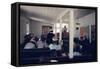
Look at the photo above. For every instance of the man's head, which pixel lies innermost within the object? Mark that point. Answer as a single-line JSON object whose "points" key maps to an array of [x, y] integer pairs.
{"points": [[64, 26]]}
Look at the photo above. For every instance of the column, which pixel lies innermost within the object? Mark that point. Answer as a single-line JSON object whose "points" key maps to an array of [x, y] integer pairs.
{"points": [[60, 34], [71, 33], [27, 28], [90, 33]]}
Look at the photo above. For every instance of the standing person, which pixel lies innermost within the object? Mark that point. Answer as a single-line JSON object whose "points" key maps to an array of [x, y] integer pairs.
{"points": [[64, 29], [49, 38], [65, 39], [65, 34]]}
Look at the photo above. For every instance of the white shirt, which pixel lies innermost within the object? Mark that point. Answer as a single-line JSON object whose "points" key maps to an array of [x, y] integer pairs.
{"points": [[40, 44], [54, 47], [29, 46]]}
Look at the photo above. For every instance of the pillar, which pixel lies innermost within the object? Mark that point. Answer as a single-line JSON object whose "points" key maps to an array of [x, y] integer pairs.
{"points": [[60, 34], [71, 33]]}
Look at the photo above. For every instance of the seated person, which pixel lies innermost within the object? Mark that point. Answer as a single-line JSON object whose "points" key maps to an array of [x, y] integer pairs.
{"points": [[85, 45], [31, 43], [41, 43], [27, 38], [55, 45], [77, 46]]}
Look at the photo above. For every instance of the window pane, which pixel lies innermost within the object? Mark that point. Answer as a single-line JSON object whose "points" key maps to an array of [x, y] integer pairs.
{"points": [[57, 25], [65, 25], [27, 28], [58, 30]]}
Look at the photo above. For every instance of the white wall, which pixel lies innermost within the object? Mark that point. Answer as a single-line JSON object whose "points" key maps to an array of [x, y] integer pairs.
{"points": [[36, 27], [23, 22], [85, 21]]}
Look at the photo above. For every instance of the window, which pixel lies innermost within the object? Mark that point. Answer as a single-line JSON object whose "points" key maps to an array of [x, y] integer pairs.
{"points": [[27, 28], [58, 27]]}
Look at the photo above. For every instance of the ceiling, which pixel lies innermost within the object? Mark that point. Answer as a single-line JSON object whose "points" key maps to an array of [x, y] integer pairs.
{"points": [[50, 14]]}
